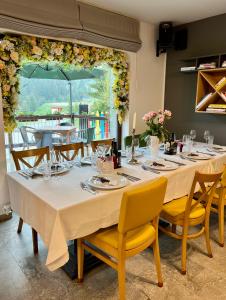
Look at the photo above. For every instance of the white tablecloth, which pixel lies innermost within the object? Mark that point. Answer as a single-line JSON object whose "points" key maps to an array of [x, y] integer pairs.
{"points": [[60, 211]]}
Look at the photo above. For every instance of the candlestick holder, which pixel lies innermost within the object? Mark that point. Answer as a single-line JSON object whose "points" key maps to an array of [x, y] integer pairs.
{"points": [[133, 160]]}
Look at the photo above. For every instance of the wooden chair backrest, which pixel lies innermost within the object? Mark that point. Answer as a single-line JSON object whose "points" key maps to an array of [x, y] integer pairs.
{"points": [[39, 154], [141, 204], [208, 184], [69, 151], [95, 143]]}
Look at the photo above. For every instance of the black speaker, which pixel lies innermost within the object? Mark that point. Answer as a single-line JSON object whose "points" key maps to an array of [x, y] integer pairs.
{"points": [[166, 34], [181, 39]]}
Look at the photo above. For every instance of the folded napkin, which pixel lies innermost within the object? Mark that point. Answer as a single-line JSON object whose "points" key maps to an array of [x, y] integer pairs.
{"points": [[156, 164]]}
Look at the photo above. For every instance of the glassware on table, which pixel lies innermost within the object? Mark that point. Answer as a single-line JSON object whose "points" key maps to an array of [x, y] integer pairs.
{"points": [[193, 134], [136, 143], [206, 134], [47, 170], [187, 143], [210, 140]]}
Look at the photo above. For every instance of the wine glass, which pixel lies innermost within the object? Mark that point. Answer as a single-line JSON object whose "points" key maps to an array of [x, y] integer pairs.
{"points": [[186, 141], [206, 135], [193, 134]]}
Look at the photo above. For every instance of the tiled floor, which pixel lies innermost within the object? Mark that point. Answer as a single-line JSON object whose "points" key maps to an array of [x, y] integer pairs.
{"points": [[25, 277]]}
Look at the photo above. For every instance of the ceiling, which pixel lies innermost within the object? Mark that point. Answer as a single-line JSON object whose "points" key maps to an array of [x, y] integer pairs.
{"points": [[155, 11]]}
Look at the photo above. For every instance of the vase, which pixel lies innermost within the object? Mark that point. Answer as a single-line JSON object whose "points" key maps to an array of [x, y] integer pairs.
{"points": [[154, 146]]}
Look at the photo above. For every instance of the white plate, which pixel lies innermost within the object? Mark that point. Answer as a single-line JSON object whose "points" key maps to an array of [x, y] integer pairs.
{"points": [[61, 170], [217, 148], [168, 166], [197, 156], [86, 160], [116, 182]]}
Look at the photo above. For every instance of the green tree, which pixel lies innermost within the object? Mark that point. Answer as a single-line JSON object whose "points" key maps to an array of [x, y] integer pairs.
{"points": [[100, 92]]}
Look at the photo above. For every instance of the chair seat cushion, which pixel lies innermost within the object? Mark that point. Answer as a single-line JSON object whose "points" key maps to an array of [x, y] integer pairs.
{"points": [[176, 208], [134, 238]]}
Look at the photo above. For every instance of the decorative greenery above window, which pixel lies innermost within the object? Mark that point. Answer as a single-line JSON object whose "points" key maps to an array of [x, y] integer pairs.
{"points": [[15, 50]]}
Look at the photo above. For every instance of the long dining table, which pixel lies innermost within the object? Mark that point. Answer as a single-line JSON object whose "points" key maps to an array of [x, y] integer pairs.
{"points": [[60, 211]]}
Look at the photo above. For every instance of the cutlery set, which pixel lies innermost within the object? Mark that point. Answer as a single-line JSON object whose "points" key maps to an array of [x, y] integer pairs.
{"points": [[129, 177], [87, 188]]}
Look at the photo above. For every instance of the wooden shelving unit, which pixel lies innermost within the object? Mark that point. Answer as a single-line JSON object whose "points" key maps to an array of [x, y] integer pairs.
{"points": [[196, 61], [206, 84]]}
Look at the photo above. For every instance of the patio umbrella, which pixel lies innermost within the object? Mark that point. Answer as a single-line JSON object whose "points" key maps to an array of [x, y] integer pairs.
{"points": [[54, 71]]}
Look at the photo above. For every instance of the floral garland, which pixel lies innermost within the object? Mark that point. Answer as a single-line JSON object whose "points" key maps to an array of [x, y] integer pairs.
{"points": [[15, 50]]}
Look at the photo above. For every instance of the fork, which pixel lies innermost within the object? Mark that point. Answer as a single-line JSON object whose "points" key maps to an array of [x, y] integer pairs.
{"points": [[85, 187], [151, 170]]}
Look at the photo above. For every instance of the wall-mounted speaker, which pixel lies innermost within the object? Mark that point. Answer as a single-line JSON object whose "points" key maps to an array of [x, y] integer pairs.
{"points": [[170, 37], [166, 34], [180, 39]]}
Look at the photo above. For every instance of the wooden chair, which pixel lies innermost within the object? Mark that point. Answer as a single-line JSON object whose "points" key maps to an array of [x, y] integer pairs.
{"points": [[19, 157], [186, 212], [137, 229], [217, 206], [95, 143], [70, 149]]}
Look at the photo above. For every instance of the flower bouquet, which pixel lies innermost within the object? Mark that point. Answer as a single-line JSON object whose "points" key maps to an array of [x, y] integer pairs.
{"points": [[156, 131]]}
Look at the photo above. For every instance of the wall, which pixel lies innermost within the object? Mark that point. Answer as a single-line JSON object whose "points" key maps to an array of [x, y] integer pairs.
{"points": [[205, 37], [147, 78]]}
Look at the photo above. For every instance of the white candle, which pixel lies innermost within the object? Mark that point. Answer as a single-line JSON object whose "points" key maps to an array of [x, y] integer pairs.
{"points": [[134, 120]]}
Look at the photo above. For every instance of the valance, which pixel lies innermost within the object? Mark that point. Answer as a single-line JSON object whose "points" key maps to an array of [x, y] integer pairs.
{"points": [[69, 19]]}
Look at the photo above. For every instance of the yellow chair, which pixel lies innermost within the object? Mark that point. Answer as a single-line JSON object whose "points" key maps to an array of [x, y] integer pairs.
{"points": [[137, 229], [218, 203], [186, 211]]}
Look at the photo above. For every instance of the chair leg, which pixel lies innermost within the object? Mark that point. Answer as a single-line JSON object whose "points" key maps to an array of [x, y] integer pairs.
{"points": [[80, 260], [221, 224], [157, 262], [184, 254], [35, 241], [121, 279], [207, 237], [20, 225]]}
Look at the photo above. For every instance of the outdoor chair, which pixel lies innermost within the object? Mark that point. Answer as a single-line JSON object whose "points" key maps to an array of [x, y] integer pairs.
{"points": [[31, 137]]}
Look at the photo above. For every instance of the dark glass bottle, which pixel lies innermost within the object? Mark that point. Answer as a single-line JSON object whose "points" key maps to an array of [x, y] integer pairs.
{"points": [[116, 155]]}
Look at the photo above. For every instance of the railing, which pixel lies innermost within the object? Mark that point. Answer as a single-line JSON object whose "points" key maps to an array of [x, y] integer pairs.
{"points": [[81, 122]]}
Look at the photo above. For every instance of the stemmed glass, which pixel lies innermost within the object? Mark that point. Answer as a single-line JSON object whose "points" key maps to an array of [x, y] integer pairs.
{"points": [[206, 135], [186, 140], [193, 134]]}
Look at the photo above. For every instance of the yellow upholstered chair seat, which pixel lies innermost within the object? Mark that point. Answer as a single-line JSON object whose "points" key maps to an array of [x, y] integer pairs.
{"points": [[134, 238], [189, 211], [137, 229], [176, 208]]}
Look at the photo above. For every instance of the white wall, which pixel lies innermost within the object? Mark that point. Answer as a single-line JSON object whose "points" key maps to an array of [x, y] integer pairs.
{"points": [[147, 79]]}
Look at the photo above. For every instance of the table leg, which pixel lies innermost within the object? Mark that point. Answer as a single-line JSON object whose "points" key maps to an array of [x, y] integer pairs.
{"points": [[70, 268]]}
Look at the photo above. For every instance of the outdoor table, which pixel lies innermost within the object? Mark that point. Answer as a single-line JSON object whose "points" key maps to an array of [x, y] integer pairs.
{"points": [[49, 131]]}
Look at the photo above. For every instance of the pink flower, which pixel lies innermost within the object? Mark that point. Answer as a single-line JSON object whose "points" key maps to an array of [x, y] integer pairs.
{"points": [[168, 113], [151, 114], [146, 117], [161, 119]]}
